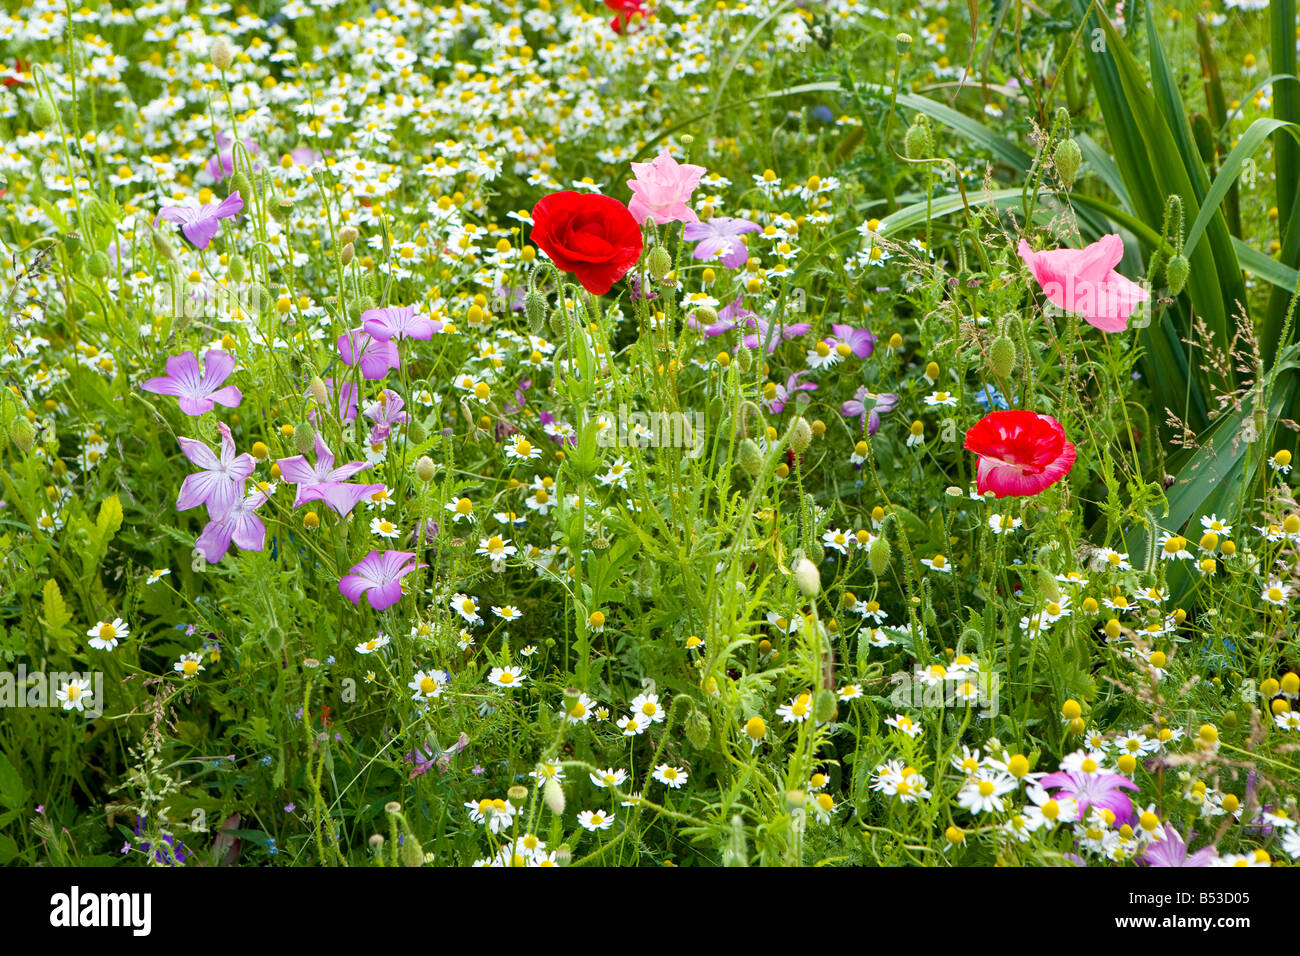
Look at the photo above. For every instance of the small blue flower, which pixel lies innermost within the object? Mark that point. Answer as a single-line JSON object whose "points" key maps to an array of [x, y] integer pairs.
{"points": [[990, 398]]}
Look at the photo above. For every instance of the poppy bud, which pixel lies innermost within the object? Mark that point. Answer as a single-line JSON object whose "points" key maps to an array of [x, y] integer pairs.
{"points": [[23, 434], [424, 468], [416, 432], [553, 795], [698, 729], [222, 53], [1002, 356], [751, 458], [706, 315], [347, 254], [659, 262], [43, 114], [535, 309], [916, 141], [879, 554], [162, 247], [412, 853], [1068, 157], [807, 578], [304, 438], [97, 265], [319, 392], [348, 235], [800, 435], [239, 184], [744, 359], [824, 706], [559, 322], [1176, 270]]}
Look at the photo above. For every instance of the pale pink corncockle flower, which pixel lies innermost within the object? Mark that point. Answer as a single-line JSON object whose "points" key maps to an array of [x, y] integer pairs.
{"points": [[323, 481], [380, 573], [240, 525], [200, 224], [385, 412], [374, 356], [661, 189], [1084, 282], [197, 389], [398, 322], [221, 482]]}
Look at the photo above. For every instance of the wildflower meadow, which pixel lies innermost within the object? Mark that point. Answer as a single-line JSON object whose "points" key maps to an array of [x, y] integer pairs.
{"points": [[730, 433]]}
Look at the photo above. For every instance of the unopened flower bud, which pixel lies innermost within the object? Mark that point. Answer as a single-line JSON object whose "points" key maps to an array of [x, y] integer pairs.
{"points": [[411, 853], [43, 114], [807, 578], [1068, 157], [1002, 356], [347, 253], [347, 235], [879, 554], [800, 434], [751, 458], [23, 434], [319, 391], [706, 315], [1176, 270], [239, 184], [535, 309], [304, 438], [553, 795], [698, 729], [824, 706], [424, 468], [916, 141], [659, 262], [222, 53], [97, 265]]}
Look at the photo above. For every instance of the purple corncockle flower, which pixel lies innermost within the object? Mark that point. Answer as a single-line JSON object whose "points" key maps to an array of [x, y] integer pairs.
{"points": [[221, 482], [200, 224], [197, 390], [1101, 788], [324, 482], [765, 336], [861, 341], [513, 295], [639, 294], [720, 236], [385, 412], [240, 525], [375, 356], [857, 407], [223, 164], [1172, 851], [397, 322], [380, 573], [785, 393]]}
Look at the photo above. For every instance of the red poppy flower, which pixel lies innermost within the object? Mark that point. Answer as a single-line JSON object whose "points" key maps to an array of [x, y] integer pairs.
{"points": [[594, 237], [1020, 453], [627, 10]]}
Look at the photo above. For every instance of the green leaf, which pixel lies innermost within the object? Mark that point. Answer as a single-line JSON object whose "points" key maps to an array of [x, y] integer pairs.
{"points": [[13, 795], [109, 521], [56, 615]]}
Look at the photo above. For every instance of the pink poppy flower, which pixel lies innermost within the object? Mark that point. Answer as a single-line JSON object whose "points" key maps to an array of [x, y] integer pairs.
{"points": [[380, 573], [221, 482], [375, 357], [197, 390], [661, 189], [1084, 282], [323, 481], [200, 224], [1020, 453], [398, 322], [240, 525]]}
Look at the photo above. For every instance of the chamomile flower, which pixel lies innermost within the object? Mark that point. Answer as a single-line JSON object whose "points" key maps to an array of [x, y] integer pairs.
{"points": [[466, 607], [669, 776], [497, 814], [632, 725], [609, 777], [797, 711], [157, 575], [581, 710], [941, 400], [189, 665], [594, 820], [521, 449], [1276, 593], [1216, 524], [497, 550], [507, 677], [904, 724], [462, 509], [383, 528], [508, 612], [938, 563], [1115, 560], [105, 636], [647, 706], [75, 694], [850, 692], [428, 685], [375, 643], [984, 791], [1001, 524]]}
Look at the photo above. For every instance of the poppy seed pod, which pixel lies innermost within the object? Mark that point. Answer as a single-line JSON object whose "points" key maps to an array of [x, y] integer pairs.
{"points": [[281, 210]]}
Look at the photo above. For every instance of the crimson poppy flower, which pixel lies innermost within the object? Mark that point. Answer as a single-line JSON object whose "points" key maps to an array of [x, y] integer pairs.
{"points": [[1020, 453], [627, 10], [592, 236]]}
